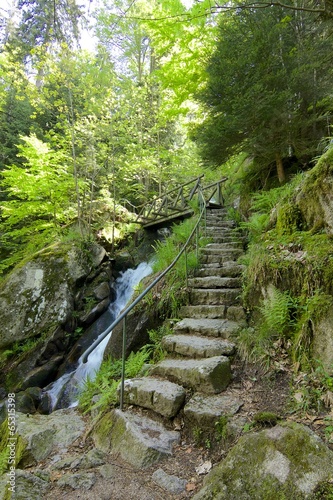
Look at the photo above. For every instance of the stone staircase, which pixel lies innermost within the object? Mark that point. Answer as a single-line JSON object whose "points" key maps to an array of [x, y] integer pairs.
{"points": [[191, 380]]}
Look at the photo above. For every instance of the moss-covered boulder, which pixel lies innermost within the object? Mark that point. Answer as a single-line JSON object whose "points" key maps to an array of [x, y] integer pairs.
{"points": [[40, 294], [285, 462], [139, 440], [315, 197]]}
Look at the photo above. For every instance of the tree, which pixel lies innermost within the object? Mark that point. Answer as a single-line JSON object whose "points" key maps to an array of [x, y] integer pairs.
{"points": [[267, 82]]}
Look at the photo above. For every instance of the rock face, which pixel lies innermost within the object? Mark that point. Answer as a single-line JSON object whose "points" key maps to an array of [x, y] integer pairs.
{"points": [[45, 433], [286, 461], [40, 294], [139, 440]]}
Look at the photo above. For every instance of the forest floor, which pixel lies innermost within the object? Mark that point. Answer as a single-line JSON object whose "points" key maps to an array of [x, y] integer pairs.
{"points": [[260, 390]]}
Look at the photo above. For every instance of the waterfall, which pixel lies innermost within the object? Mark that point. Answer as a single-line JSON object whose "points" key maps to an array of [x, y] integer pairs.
{"points": [[64, 391]]}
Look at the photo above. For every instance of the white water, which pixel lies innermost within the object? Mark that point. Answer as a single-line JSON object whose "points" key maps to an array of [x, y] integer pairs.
{"points": [[125, 285]]}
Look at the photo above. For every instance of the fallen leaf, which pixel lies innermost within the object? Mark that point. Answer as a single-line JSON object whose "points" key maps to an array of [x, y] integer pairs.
{"points": [[204, 468], [190, 487]]}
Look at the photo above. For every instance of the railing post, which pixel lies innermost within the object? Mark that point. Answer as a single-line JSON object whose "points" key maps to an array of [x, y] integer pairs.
{"points": [[122, 386], [186, 270], [197, 242]]}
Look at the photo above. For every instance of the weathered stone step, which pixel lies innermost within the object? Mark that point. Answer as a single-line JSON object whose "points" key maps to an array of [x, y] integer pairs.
{"points": [[209, 375], [203, 412], [220, 250], [208, 296], [224, 246], [219, 238], [220, 223], [232, 270], [162, 396], [214, 282], [197, 347], [202, 311], [227, 231], [137, 439], [209, 327], [222, 258]]}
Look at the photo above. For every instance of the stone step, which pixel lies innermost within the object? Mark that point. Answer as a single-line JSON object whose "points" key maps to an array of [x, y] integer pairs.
{"points": [[233, 313], [221, 223], [231, 270], [226, 239], [139, 440], [162, 396], [209, 296], [208, 327], [203, 412], [227, 231], [220, 250], [224, 246], [197, 347], [209, 375], [220, 259], [214, 282]]}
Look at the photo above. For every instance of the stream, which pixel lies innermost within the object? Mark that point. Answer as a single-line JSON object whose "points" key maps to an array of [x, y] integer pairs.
{"points": [[64, 391]]}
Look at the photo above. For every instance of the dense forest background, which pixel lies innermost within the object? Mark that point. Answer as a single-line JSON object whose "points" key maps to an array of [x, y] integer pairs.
{"points": [[165, 92]]}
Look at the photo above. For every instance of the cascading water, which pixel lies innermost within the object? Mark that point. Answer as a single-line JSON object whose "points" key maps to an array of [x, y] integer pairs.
{"points": [[64, 391]]}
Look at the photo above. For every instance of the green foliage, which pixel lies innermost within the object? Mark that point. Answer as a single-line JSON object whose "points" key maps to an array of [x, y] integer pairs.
{"points": [[173, 293], [277, 322], [254, 73], [312, 391]]}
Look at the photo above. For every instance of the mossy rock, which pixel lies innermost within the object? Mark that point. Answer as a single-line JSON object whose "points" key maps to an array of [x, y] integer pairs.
{"points": [[285, 462]]}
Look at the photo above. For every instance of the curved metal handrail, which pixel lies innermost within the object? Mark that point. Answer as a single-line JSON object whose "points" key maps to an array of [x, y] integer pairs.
{"points": [[122, 316]]}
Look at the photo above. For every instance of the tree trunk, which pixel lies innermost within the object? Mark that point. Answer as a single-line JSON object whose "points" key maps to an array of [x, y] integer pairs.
{"points": [[280, 168]]}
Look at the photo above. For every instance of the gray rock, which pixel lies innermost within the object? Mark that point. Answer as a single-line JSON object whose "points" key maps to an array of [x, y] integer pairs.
{"points": [[286, 461], [203, 311], [214, 282], [29, 486], [210, 327], [162, 396], [94, 458], [170, 483], [102, 291], [213, 296], [197, 347], [24, 403], [211, 375], [95, 312], [40, 294], [204, 411], [41, 375], [107, 471], [138, 440], [79, 481], [45, 434]]}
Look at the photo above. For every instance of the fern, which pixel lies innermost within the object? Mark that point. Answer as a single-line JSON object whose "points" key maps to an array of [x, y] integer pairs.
{"points": [[276, 312]]}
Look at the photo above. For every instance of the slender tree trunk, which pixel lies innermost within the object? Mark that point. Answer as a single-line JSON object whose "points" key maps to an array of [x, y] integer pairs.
{"points": [[280, 168]]}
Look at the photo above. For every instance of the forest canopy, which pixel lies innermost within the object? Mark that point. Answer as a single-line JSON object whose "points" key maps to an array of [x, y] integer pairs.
{"points": [[168, 89]]}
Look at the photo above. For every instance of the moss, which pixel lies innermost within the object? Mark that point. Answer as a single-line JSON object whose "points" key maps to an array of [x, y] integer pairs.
{"points": [[20, 447], [271, 464], [289, 219], [266, 418]]}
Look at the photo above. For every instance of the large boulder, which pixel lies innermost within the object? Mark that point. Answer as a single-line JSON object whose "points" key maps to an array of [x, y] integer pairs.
{"points": [[40, 294], [286, 461]]}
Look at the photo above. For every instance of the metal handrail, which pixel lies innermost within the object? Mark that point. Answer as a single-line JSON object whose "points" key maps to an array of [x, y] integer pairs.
{"points": [[123, 315]]}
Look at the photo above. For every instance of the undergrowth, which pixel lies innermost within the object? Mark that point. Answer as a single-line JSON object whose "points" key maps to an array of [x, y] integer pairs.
{"points": [[100, 392]]}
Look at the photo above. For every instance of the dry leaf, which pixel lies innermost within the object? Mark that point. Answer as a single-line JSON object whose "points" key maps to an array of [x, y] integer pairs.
{"points": [[204, 468], [190, 487]]}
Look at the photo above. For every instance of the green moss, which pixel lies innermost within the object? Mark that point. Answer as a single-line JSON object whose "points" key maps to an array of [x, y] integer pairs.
{"points": [[289, 219], [266, 418], [20, 447]]}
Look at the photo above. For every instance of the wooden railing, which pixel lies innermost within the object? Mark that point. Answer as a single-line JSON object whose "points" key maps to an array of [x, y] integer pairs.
{"points": [[176, 203]]}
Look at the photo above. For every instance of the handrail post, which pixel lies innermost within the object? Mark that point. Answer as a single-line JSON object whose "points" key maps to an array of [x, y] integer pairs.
{"points": [[186, 270], [122, 386], [197, 242]]}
